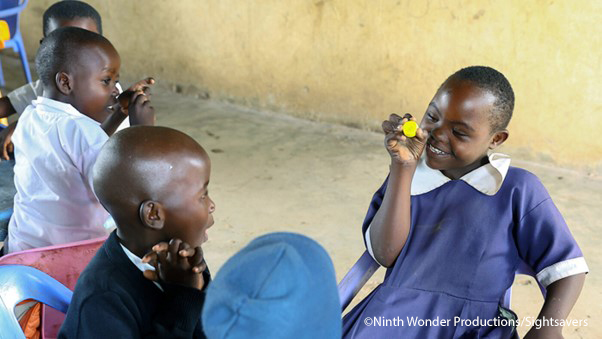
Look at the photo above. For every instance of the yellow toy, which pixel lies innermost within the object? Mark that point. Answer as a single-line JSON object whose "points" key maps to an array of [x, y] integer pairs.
{"points": [[3, 121], [410, 128], [4, 33]]}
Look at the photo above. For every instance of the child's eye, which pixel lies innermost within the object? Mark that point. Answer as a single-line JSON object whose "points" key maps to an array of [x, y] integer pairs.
{"points": [[106, 82], [460, 134], [431, 117]]}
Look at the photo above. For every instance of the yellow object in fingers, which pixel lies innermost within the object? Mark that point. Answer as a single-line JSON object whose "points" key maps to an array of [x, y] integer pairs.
{"points": [[3, 121], [410, 128]]}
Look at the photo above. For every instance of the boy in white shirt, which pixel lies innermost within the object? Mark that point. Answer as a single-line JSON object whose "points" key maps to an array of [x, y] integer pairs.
{"points": [[60, 14], [60, 135]]}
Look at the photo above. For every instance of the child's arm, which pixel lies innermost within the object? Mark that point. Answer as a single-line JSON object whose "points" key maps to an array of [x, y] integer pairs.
{"points": [[5, 140], [560, 299], [6, 108], [111, 124], [545, 244], [391, 225], [135, 102]]}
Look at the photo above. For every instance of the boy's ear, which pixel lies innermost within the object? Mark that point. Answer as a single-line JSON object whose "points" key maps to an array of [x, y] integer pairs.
{"points": [[152, 214], [498, 138], [64, 82]]}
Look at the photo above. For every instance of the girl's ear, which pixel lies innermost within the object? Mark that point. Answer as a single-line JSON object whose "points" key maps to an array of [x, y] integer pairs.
{"points": [[498, 138], [64, 83], [152, 214]]}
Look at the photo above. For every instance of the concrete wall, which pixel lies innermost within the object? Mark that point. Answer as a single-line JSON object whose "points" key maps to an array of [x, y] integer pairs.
{"points": [[356, 61]]}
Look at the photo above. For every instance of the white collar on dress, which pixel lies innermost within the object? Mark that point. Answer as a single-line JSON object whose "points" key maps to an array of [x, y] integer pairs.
{"points": [[486, 179], [60, 106]]}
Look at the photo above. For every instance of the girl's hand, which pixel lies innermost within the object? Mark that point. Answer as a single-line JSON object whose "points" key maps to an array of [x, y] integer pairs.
{"points": [[403, 150], [176, 263]]}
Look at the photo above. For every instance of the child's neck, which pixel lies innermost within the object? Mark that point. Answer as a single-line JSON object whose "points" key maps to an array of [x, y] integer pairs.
{"points": [[56, 95], [135, 244], [457, 173]]}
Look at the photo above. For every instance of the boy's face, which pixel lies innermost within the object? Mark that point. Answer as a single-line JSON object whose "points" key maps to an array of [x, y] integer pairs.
{"points": [[94, 78], [84, 23], [458, 122], [188, 208]]}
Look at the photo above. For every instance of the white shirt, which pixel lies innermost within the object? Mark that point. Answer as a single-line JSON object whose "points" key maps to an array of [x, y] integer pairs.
{"points": [[55, 150], [24, 95]]}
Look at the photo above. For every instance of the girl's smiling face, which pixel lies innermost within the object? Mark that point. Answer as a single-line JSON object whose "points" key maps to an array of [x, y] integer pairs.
{"points": [[459, 127]]}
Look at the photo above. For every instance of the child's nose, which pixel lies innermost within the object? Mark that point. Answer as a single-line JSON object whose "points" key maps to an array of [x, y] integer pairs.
{"points": [[115, 91], [437, 133], [211, 206]]}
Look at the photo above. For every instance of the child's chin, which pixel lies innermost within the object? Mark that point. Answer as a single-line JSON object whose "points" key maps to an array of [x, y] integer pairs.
{"points": [[205, 237], [101, 117], [433, 163]]}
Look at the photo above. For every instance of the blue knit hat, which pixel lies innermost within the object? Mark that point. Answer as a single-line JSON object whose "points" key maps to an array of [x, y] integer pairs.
{"points": [[281, 285]]}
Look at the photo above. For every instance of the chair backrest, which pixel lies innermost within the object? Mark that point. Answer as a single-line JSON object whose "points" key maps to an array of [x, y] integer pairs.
{"points": [[365, 267], [356, 278], [63, 263], [18, 283], [9, 11]]}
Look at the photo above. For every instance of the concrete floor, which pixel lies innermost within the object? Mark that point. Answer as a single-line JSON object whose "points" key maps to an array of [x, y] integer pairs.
{"points": [[277, 173]]}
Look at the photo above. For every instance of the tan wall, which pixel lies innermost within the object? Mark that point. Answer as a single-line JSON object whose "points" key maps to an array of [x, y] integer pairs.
{"points": [[357, 61]]}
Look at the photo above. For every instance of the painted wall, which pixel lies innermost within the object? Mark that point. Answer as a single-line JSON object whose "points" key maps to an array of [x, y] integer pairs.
{"points": [[356, 61]]}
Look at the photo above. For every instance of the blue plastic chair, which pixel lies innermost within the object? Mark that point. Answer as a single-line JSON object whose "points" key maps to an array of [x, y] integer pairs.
{"points": [[9, 12], [18, 283], [365, 267]]}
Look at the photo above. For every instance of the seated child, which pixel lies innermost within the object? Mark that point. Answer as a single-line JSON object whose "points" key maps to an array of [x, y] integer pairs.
{"points": [[60, 135], [60, 14], [281, 285], [153, 181], [453, 226]]}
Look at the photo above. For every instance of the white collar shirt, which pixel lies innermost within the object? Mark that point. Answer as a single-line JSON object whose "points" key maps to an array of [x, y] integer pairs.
{"points": [[139, 264]]}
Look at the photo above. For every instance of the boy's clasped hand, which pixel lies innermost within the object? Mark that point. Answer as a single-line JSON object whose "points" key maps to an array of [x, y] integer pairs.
{"points": [[176, 263]]}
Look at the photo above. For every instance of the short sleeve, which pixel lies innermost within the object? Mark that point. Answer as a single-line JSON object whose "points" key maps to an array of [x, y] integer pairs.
{"points": [[546, 244], [24, 95]]}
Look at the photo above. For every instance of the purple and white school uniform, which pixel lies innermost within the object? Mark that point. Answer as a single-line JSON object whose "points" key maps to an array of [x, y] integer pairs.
{"points": [[466, 240]]}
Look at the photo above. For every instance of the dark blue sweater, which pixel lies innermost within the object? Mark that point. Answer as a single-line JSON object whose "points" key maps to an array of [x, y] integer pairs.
{"points": [[112, 299]]}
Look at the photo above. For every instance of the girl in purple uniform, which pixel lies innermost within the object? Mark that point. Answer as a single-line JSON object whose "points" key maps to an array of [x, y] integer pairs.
{"points": [[453, 221]]}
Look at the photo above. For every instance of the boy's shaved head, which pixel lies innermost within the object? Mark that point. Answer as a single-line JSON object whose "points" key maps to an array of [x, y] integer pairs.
{"points": [[70, 10], [60, 51], [145, 163], [495, 82]]}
